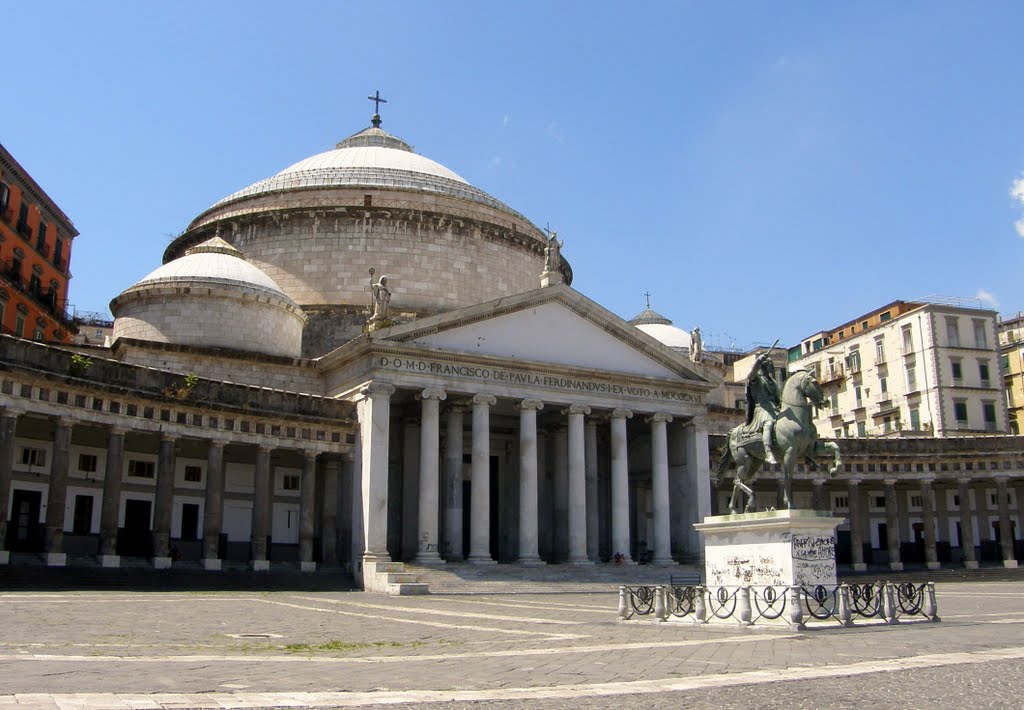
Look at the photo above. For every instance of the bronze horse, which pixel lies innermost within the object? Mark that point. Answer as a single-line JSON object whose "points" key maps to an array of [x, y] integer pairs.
{"points": [[795, 439]]}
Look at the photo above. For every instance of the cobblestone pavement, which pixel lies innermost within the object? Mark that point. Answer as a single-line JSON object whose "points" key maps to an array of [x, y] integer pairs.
{"points": [[334, 649]]}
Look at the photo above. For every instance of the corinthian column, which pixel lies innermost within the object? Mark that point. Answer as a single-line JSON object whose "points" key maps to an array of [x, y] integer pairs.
{"points": [[892, 525], [577, 498], [262, 502], [453, 452], [620, 486], [928, 515], [966, 525], [307, 511], [480, 510], [374, 429], [593, 532], [528, 548], [659, 488], [163, 502], [1005, 529], [213, 513], [430, 442]]}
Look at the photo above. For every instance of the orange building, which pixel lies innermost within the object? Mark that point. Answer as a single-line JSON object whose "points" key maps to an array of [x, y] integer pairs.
{"points": [[35, 256]]}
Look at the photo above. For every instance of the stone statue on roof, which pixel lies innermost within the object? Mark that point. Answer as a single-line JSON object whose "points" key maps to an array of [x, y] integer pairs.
{"points": [[553, 253], [696, 345], [380, 296]]}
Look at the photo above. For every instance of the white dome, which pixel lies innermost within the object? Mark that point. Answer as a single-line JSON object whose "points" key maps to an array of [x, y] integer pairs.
{"points": [[213, 261], [667, 334]]}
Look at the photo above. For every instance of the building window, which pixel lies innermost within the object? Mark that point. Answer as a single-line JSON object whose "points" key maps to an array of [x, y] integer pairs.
{"points": [[879, 350], [82, 520], [290, 482], [983, 372], [857, 392], [863, 325], [41, 236], [33, 457], [887, 424], [960, 413], [911, 378], [23, 228], [841, 502], [853, 360], [915, 419], [958, 373], [916, 501], [58, 253], [980, 334], [989, 411], [87, 463], [862, 429], [883, 384], [19, 324], [908, 340], [140, 469], [952, 333], [5, 198], [193, 474], [885, 317]]}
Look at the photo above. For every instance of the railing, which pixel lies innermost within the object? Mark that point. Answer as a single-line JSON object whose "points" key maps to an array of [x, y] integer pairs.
{"points": [[793, 606]]}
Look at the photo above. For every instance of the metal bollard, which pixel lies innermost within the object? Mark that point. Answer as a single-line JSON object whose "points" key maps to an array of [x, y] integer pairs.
{"points": [[845, 615], [659, 604], [743, 594], [931, 607], [700, 609], [889, 603], [623, 604], [796, 609]]}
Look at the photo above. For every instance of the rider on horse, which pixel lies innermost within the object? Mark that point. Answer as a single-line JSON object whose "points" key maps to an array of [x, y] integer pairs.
{"points": [[763, 402]]}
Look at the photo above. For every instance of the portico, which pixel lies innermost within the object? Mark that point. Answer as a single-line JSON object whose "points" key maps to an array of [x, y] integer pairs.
{"points": [[546, 461]]}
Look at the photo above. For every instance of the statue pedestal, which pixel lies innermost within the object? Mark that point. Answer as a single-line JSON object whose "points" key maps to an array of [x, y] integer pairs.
{"points": [[771, 548]]}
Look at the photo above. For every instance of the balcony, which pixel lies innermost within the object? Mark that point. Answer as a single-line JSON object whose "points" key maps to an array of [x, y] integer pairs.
{"points": [[831, 374]]}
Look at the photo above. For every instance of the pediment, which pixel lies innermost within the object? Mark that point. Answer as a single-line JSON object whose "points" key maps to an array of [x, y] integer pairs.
{"points": [[555, 325]]}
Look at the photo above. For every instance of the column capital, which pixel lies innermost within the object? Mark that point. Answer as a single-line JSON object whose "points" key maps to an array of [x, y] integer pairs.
{"points": [[927, 481], [622, 414], [482, 399], [965, 480], [697, 422], [11, 411], [455, 407], [854, 481], [889, 481], [378, 389], [431, 393], [64, 420], [576, 409], [818, 481], [1001, 479], [534, 404], [310, 454], [264, 448], [660, 417], [115, 430], [215, 443], [167, 436]]}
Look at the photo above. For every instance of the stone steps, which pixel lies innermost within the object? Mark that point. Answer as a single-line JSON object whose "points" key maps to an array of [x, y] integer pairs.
{"points": [[464, 578]]}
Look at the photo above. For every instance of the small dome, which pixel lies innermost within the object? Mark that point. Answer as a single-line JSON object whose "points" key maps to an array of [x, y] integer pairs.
{"points": [[211, 297], [214, 261], [661, 329]]}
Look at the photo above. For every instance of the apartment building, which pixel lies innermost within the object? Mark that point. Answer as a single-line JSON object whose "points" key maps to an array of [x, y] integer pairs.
{"points": [[35, 257], [1011, 351], [910, 368]]}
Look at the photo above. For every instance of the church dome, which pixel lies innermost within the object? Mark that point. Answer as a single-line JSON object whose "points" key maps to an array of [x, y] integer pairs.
{"points": [[321, 226], [661, 329], [211, 285]]}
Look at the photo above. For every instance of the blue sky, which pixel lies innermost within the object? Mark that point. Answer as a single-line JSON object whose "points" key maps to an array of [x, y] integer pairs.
{"points": [[764, 170]]}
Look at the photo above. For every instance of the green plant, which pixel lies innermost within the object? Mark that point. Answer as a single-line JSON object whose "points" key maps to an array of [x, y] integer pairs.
{"points": [[80, 364], [182, 389]]}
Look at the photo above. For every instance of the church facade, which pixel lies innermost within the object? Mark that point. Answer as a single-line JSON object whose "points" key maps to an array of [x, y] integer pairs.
{"points": [[255, 405]]}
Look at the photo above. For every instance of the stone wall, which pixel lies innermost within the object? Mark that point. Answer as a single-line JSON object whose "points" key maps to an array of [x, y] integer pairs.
{"points": [[209, 317], [439, 253]]}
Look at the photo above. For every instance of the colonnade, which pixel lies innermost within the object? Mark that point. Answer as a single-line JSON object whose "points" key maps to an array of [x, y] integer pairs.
{"points": [[575, 456], [328, 463]]}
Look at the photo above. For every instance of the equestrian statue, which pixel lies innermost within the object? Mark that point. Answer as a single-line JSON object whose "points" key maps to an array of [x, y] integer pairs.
{"points": [[778, 427]]}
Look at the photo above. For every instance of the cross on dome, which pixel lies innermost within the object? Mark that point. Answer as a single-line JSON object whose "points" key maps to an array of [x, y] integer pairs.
{"points": [[377, 101]]}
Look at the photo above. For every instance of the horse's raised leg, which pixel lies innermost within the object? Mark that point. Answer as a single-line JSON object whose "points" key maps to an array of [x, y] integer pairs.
{"points": [[788, 464]]}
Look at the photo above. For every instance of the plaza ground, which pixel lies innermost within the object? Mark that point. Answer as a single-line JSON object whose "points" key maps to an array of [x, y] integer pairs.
{"points": [[308, 648]]}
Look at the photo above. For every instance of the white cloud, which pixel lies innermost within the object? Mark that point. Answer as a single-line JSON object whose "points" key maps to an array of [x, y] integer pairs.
{"points": [[495, 161], [506, 121], [1017, 190], [554, 132], [1019, 226], [988, 298]]}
